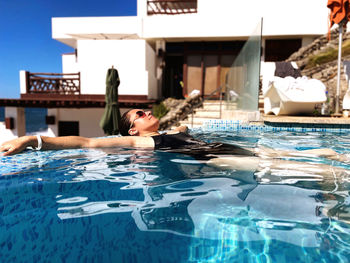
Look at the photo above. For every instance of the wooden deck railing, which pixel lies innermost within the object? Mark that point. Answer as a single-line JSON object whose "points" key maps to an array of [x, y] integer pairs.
{"points": [[53, 83], [171, 7]]}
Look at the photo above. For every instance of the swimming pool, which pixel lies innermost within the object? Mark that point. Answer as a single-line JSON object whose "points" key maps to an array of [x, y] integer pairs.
{"points": [[127, 205]]}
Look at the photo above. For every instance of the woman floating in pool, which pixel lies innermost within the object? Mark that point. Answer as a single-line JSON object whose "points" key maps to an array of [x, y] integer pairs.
{"points": [[140, 129]]}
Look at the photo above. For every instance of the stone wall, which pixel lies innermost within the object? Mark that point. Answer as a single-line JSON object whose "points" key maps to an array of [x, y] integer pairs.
{"points": [[179, 110], [327, 73]]}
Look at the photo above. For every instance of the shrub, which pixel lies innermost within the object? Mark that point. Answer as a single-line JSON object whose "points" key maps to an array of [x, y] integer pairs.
{"points": [[328, 56], [159, 110]]}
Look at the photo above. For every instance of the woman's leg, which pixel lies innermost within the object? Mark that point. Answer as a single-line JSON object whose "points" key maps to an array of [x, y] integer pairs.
{"points": [[241, 163], [278, 167], [324, 152]]}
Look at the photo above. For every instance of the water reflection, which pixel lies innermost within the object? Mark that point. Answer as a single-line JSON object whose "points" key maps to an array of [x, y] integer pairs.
{"points": [[222, 212], [191, 199]]}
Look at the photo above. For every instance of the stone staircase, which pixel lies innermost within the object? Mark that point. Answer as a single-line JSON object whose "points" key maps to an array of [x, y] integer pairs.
{"points": [[211, 110]]}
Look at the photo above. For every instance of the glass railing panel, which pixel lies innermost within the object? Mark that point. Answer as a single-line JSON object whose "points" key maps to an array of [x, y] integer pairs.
{"points": [[242, 79]]}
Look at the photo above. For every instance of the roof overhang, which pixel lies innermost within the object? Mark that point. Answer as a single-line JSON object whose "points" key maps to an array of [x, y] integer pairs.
{"points": [[69, 30]]}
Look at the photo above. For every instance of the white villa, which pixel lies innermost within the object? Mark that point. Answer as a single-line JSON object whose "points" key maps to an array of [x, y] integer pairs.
{"points": [[193, 41]]}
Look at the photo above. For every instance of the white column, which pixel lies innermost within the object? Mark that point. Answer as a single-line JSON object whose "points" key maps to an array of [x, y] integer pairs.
{"points": [[53, 129], [23, 81], [141, 8]]}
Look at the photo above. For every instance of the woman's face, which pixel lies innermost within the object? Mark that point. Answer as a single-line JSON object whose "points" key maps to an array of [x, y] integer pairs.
{"points": [[143, 121]]}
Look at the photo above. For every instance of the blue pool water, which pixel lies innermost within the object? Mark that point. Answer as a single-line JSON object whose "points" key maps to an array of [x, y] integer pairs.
{"points": [[127, 205]]}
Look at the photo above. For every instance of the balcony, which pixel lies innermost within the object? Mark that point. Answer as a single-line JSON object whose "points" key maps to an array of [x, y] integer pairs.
{"points": [[57, 90], [53, 83], [171, 7]]}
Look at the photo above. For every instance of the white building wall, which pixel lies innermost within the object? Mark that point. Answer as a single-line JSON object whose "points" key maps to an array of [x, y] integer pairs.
{"points": [[215, 19], [88, 119], [233, 18], [95, 57], [121, 41], [69, 64]]}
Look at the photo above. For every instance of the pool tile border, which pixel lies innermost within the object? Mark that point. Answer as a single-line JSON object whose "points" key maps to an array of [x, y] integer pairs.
{"points": [[227, 125]]}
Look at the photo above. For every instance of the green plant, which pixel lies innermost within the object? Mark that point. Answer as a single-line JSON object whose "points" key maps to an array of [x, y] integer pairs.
{"points": [[328, 56], [159, 110]]}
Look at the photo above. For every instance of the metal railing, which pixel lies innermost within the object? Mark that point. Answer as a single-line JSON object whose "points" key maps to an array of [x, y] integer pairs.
{"points": [[53, 83], [171, 7], [211, 95]]}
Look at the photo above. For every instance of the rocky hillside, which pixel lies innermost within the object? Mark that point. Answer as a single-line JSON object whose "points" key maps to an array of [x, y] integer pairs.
{"points": [[325, 71], [179, 110]]}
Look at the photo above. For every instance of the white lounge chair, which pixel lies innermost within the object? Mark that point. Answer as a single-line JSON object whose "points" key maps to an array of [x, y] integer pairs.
{"points": [[290, 96]]}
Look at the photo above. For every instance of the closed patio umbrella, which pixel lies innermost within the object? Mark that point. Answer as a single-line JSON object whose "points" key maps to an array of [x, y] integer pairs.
{"points": [[340, 14], [111, 117]]}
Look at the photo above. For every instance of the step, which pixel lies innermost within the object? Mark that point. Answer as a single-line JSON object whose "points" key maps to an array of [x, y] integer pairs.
{"points": [[213, 101], [206, 114], [198, 120], [215, 107], [211, 107]]}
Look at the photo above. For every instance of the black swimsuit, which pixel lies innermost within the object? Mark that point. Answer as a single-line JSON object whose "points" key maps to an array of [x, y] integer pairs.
{"points": [[186, 144]]}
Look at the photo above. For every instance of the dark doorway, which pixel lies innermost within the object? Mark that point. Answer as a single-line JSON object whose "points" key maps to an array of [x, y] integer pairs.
{"points": [[198, 66], [280, 49], [173, 77], [68, 128]]}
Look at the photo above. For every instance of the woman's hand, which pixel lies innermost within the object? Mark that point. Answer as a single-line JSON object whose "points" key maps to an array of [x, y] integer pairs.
{"points": [[16, 145]]}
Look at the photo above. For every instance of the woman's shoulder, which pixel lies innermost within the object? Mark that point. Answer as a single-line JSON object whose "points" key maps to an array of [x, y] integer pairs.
{"points": [[180, 129]]}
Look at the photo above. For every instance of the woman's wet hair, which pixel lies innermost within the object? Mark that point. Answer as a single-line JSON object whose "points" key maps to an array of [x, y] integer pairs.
{"points": [[124, 124]]}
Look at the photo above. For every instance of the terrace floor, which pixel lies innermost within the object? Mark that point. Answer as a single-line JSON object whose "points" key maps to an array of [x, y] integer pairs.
{"points": [[305, 119], [306, 122]]}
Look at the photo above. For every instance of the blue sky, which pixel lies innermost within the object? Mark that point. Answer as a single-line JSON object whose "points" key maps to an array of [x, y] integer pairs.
{"points": [[25, 34]]}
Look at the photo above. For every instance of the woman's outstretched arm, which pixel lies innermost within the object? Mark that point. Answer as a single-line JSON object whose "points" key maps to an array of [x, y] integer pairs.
{"points": [[73, 142]]}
